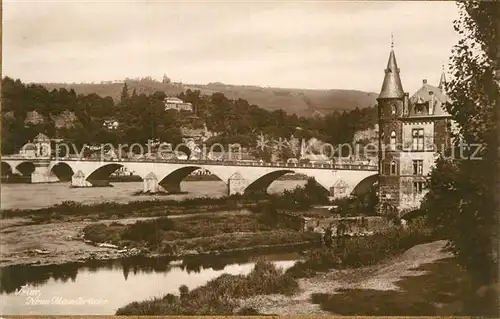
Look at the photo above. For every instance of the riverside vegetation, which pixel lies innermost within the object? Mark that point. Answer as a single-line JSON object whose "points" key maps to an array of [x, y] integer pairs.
{"points": [[261, 227], [218, 296], [221, 296], [146, 208]]}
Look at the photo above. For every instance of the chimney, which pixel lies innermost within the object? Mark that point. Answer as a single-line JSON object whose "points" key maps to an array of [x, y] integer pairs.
{"points": [[406, 106], [431, 106]]}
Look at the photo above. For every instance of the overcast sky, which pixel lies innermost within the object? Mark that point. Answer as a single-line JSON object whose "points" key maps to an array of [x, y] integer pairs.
{"points": [[325, 45]]}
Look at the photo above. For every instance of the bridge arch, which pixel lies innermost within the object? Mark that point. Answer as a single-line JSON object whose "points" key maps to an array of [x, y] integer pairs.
{"points": [[363, 187], [6, 169], [62, 171], [25, 168], [172, 181], [261, 184], [100, 176]]}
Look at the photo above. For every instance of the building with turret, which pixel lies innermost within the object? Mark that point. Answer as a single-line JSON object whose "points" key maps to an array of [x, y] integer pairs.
{"points": [[412, 131]]}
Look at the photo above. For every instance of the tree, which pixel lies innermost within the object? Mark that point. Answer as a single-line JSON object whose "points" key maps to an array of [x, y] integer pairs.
{"points": [[166, 79], [462, 198], [369, 201], [124, 96]]}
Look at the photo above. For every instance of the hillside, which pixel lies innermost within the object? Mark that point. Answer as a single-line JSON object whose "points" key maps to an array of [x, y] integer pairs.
{"points": [[302, 102]]}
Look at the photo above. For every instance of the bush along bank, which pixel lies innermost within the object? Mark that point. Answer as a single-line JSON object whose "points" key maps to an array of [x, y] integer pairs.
{"points": [[363, 251], [218, 296], [221, 296], [146, 208], [195, 235], [212, 233]]}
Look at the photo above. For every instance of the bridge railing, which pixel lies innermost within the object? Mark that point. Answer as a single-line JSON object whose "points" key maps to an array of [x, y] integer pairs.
{"points": [[333, 166]]}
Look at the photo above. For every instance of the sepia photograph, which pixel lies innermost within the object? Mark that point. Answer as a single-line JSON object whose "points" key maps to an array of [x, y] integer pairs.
{"points": [[249, 158]]}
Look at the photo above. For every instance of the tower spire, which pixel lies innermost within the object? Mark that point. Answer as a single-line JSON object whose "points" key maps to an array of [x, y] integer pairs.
{"points": [[442, 80], [392, 86]]}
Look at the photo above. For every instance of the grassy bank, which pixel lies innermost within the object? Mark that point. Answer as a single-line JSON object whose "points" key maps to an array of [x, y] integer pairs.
{"points": [[362, 251], [201, 234], [225, 291], [146, 208], [442, 290], [217, 296], [214, 233]]}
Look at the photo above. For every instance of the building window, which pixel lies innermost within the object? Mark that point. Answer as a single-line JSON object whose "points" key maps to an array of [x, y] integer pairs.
{"points": [[392, 145], [418, 167], [393, 109], [393, 168], [418, 139], [418, 187]]}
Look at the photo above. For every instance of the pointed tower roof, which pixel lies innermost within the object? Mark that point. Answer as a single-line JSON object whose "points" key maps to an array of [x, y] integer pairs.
{"points": [[392, 87], [442, 80]]}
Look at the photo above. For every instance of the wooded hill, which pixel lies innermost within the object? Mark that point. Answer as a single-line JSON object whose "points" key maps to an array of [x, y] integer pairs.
{"points": [[302, 102]]}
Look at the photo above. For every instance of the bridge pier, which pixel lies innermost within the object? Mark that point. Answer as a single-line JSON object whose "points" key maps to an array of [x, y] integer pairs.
{"points": [[41, 174], [150, 183], [236, 184], [340, 180], [79, 180]]}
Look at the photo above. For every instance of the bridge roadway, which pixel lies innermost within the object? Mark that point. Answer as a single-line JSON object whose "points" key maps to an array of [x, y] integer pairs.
{"points": [[340, 179]]}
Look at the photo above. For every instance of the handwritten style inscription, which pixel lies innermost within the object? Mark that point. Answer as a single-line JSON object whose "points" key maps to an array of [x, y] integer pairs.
{"points": [[34, 297]]}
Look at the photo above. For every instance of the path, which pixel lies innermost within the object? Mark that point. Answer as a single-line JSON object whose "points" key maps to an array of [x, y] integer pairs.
{"points": [[379, 277]]}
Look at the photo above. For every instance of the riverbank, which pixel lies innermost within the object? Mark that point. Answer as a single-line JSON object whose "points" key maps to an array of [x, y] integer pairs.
{"points": [[145, 208], [424, 280], [80, 238], [400, 271], [74, 232]]}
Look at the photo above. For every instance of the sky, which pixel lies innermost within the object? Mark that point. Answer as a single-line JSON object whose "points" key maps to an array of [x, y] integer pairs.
{"points": [[293, 44]]}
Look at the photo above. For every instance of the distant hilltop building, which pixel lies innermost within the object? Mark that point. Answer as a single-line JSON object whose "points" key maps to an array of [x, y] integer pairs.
{"points": [[412, 131], [174, 103]]}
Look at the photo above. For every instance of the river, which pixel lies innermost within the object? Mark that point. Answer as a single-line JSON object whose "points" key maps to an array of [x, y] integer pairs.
{"points": [[32, 196], [102, 288]]}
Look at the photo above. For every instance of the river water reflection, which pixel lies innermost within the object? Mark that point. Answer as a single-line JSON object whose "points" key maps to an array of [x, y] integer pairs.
{"points": [[102, 287], [32, 196]]}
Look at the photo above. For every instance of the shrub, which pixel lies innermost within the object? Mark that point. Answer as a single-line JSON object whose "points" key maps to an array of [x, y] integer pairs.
{"points": [[219, 296], [362, 251], [101, 233], [148, 230]]}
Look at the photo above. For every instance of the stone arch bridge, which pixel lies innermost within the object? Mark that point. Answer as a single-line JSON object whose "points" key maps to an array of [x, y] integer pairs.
{"points": [[240, 177]]}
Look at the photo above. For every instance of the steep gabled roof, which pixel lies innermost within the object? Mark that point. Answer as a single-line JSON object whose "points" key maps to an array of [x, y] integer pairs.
{"points": [[431, 95]]}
